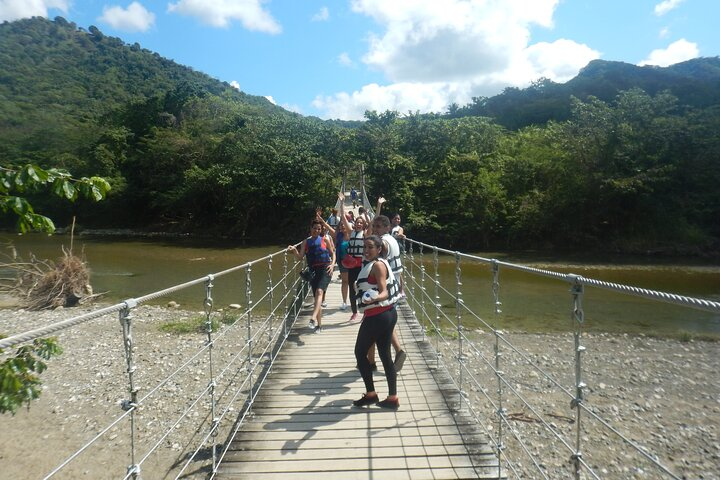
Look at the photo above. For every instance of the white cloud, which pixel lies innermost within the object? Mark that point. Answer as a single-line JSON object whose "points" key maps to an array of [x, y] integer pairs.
{"points": [[436, 53], [675, 52], [271, 99], [559, 61], [322, 15], [664, 32], [401, 97], [219, 13], [344, 59], [16, 9], [292, 108], [235, 85], [135, 18], [665, 6]]}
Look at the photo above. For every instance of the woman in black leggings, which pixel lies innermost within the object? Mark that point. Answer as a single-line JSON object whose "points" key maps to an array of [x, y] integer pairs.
{"points": [[377, 293]]}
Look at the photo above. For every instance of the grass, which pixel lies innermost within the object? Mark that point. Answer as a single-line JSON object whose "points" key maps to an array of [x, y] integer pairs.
{"points": [[197, 324]]}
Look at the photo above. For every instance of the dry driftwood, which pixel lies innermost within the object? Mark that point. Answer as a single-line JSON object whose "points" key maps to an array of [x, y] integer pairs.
{"points": [[44, 284]]}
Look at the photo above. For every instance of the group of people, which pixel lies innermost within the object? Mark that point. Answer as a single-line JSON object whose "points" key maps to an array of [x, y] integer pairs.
{"points": [[368, 257]]}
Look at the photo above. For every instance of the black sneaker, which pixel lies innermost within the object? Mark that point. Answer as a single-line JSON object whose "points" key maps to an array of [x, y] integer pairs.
{"points": [[318, 329], [366, 400], [389, 404]]}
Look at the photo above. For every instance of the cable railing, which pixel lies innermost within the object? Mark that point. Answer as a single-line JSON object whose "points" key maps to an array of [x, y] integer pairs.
{"points": [[517, 408], [211, 391]]}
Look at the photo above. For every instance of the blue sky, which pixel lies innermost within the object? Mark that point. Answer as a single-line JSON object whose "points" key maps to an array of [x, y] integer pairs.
{"points": [[338, 58]]}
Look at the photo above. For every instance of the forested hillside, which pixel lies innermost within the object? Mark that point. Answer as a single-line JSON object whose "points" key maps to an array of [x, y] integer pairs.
{"points": [[694, 83], [634, 169]]}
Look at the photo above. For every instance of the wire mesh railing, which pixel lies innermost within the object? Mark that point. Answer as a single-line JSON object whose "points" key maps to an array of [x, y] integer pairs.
{"points": [[186, 395], [533, 401]]}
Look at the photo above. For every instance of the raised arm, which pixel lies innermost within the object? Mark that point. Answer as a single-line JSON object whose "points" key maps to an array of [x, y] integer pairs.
{"points": [[327, 226], [343, 218], [378, 207]]}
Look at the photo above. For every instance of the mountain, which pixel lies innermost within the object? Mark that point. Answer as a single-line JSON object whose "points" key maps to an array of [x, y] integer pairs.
{"points": [[56, 79], [695, 83]]}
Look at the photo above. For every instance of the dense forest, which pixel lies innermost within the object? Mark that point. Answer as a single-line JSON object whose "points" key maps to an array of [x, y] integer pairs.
{"points": [[620, 158]]}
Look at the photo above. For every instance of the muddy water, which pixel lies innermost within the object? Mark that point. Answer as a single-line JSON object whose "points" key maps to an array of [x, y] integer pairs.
{"points": [[127, 268]]}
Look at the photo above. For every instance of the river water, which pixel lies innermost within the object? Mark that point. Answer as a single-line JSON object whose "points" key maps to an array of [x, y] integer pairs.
{"points": [[132, 267]]}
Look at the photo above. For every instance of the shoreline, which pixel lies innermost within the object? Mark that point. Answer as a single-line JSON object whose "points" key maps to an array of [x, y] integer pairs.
{"points": [[583, 256]]}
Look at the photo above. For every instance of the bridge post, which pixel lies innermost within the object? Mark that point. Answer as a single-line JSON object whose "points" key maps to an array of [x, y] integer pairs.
{"points": [[410, 285], [248, 340], [208, 305], [501, 411], [578, 317], [269, 290], [459, 305], [285, 293], [438, 305], [133, 470], [422, 285]]}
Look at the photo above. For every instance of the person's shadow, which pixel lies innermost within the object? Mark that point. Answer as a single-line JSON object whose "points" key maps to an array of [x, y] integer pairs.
{"points": [[318, 414]]}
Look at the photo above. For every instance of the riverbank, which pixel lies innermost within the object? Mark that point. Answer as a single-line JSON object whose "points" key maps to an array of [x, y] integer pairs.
{"points": [[662, 393]]}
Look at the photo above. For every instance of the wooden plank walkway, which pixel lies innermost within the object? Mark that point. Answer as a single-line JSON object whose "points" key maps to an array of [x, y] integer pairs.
{"points": [[305, 427]]}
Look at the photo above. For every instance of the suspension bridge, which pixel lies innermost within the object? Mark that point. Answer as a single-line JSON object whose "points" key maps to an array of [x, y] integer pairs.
{"points": [[258, 395]]}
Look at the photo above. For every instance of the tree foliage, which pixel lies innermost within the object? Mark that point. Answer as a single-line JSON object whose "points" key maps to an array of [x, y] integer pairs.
{"points": [[16, 184], [19, 380], [621, 157]]}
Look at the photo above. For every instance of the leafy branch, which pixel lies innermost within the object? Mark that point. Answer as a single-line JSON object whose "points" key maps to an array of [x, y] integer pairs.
{"points": [[16, 183], [19, 381]]}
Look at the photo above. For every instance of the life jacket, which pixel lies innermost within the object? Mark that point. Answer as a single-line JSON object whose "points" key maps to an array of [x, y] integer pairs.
{"points": [[401, 243], [316, 251], [393, 255], [356, 244], [362, 285]]}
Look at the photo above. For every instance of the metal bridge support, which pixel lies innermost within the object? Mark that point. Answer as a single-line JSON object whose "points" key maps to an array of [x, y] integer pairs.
{"points": [[501, 411], [422, 285], [208, 305], [269, 290], [410, 285], [133, 470], [249, 339], [438, 305], [578, 318], [459, 305], [285, 290]]}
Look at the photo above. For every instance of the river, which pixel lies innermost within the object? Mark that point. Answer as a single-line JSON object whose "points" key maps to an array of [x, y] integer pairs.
{"points": [[132, 267]]}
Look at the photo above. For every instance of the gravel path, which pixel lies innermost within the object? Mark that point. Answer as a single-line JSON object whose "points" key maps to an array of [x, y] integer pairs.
{"points": [[662, 394]]}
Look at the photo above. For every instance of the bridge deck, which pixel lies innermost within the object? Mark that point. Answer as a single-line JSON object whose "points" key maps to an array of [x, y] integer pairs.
{"points": [[304, 424]]}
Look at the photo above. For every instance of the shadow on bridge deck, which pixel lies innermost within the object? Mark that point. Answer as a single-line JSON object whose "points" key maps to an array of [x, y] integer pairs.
{"points": [[304, 425]]}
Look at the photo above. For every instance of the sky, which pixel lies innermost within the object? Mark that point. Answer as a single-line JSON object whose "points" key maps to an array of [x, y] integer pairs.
{"points": [[339, 58]]}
